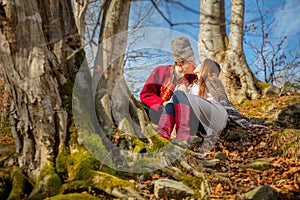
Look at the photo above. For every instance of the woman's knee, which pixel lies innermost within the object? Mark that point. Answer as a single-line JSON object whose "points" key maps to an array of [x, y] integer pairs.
{"points": [[178, 93]]}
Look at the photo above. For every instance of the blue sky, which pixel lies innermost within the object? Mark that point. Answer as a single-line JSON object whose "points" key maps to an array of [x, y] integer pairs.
{"points": [[185, 17]]}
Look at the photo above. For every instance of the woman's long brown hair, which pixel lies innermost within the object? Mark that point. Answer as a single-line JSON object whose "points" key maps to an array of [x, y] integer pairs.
{"points": [[208, 68]]}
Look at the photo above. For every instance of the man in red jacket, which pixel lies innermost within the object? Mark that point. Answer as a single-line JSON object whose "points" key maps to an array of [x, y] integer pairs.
{"points": [[163, 79]]}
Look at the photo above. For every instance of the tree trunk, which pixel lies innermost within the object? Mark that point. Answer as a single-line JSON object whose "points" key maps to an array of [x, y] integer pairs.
{"points": [[240, 81], [33, 50], [80, 8], [212, 32], [114, 101], [237, 77]]}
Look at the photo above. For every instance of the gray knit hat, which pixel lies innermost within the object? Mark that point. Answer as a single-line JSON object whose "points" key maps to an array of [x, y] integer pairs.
{"points": [[181, 48]]}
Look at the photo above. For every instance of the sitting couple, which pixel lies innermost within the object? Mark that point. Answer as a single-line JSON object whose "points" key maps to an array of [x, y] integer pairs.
{"points": [[192, 99]]}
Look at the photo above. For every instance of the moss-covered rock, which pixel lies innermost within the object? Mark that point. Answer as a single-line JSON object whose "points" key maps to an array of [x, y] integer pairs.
{"points": [[261, 164], [111, 184], [74, 196]]}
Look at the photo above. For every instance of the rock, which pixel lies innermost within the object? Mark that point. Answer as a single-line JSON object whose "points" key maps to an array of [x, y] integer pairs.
{"points": [[125, 126], [209, 163], [260, 164], [271, 91], [220, 155], [170, 189], [290, 115], [262, 193], [233, 136], [262, 144]]}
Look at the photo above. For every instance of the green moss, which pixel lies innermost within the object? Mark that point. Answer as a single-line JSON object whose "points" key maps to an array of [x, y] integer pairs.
{"points": [[128, 137], [138, 145], [48, 182], [62, 162], [73, 134], [72, 128], [245, 102], [21, 185], [5, 182], [262, 85], [82, 162], [75, 186], [74, 197], [107, 183], [65, 91], [17, 191], [288, 140], [192, 181], [260, 164], [157, 142]]}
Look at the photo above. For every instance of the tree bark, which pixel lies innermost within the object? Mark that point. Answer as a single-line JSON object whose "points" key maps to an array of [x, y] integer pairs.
{"points": [[236, 75], [80, 8], [33, 51], [113, 99], [240, 81], [212, 32]]}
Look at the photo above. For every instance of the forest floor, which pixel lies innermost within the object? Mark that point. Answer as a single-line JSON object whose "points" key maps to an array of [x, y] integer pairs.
{"points": [[278, 146], [231, 178]]}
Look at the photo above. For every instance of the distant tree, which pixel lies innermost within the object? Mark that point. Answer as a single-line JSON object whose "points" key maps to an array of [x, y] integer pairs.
{"points": [[239, 80], [277, 65]]}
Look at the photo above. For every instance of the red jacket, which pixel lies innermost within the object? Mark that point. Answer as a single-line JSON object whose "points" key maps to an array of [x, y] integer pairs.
{"points": [[150, 95]]}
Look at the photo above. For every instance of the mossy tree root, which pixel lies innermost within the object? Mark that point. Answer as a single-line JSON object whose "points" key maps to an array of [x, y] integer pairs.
{"points": [[99, 181], [115, 186], [5, 182]]}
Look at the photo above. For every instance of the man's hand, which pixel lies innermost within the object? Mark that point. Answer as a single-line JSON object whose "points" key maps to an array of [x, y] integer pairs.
{"points": [[165, 103]]}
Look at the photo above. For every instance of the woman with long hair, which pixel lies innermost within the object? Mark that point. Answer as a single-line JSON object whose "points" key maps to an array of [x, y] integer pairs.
{"points": [[202, 107]]}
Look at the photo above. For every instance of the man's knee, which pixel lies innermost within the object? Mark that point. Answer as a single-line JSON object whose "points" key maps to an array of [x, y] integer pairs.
{"points": [[179, 97]]}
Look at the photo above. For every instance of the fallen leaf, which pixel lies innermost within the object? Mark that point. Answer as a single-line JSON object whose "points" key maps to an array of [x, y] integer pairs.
{"points": [[219, 188]]}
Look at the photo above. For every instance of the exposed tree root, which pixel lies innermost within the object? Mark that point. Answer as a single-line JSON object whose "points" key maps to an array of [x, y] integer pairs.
{"points": [[5, 182], [114, 186]]}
